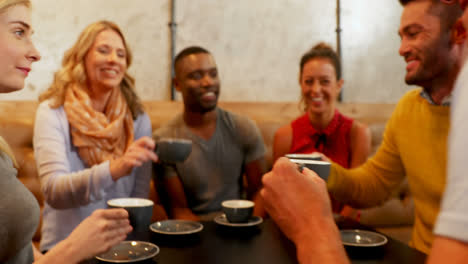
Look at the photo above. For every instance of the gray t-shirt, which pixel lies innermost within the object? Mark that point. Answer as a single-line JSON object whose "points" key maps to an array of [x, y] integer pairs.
{"points": [[19, 216], [213, 171], [452, 221]]}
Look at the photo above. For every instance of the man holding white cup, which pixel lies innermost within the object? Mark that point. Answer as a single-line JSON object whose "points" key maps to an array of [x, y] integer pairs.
{"points": [[320, 241]]}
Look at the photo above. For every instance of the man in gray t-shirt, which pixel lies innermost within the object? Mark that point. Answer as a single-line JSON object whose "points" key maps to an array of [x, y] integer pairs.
{"points": [[225, 145]]}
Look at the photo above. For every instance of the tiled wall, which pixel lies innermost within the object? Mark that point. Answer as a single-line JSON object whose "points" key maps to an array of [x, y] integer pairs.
{"points": [[256, 43]]}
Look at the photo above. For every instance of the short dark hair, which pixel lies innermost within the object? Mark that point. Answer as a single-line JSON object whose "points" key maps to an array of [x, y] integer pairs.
{"points": [[187, 52], [322, 50], [448, 14]]}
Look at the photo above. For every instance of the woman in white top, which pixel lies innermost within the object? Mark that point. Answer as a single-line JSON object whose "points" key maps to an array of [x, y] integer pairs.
{"points": [[91, 137]]}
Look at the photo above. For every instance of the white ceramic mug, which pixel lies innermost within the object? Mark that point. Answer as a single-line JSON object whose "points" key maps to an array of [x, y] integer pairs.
{"points": [[310, 156], [322, 168]]}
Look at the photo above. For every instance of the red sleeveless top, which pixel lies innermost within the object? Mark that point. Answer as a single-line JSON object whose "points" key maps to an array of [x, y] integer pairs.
{"points": [[333, 141]]}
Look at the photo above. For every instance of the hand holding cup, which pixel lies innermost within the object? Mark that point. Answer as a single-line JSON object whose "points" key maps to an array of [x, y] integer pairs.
{"points": [[139, 211]]}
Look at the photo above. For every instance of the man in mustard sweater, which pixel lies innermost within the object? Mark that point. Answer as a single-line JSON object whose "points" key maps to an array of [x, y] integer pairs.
{"points": [[415, 140], [414, 143]]}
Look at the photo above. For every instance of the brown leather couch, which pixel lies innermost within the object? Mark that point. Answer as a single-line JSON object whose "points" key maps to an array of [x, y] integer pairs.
{"points": [[17, 119]]}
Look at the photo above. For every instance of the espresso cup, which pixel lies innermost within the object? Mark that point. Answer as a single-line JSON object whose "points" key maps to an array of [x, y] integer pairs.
{"points": [[322, 168], [139, 211], [310, 156], [238, 211]]}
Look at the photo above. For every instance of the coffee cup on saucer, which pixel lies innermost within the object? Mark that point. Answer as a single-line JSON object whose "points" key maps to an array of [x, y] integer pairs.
{"points": [[238, 211]]}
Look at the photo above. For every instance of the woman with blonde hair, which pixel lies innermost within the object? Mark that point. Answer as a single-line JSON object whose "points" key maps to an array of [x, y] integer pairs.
{"points": [[91, 137], [19, 209]]}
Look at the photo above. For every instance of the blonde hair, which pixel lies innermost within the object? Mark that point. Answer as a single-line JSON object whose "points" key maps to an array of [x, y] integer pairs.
{"points": [[4, 5], [73, 69]]}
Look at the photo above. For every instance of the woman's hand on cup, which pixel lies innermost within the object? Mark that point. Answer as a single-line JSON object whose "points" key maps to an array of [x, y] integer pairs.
{"points": [[139, 152], [100, 231]]}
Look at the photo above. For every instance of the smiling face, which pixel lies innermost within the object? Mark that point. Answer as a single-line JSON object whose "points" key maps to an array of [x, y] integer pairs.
{"points": [[17, 51], [197, 79], [425, 46], [105, 62], [319, 86]]}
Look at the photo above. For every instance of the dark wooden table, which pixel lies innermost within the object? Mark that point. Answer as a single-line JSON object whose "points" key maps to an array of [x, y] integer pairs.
{"points": [[262, 244]]}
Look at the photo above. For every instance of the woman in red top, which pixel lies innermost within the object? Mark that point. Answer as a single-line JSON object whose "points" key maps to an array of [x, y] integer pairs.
{"points": [[323, 128]]}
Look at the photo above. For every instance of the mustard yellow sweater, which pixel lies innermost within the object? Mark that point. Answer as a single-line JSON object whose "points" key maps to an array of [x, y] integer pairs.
{"points": [[414, 145]]}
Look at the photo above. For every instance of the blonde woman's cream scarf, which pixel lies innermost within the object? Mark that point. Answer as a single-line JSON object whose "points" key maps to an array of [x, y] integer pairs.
{"points": [[98, 136]]}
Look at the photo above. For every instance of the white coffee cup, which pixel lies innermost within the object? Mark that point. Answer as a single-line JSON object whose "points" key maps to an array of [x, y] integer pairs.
{"points": [[322, 168], [309, 156]]}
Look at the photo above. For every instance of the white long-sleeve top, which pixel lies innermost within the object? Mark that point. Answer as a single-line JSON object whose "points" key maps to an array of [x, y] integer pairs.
{"points": [[72, 191]]}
